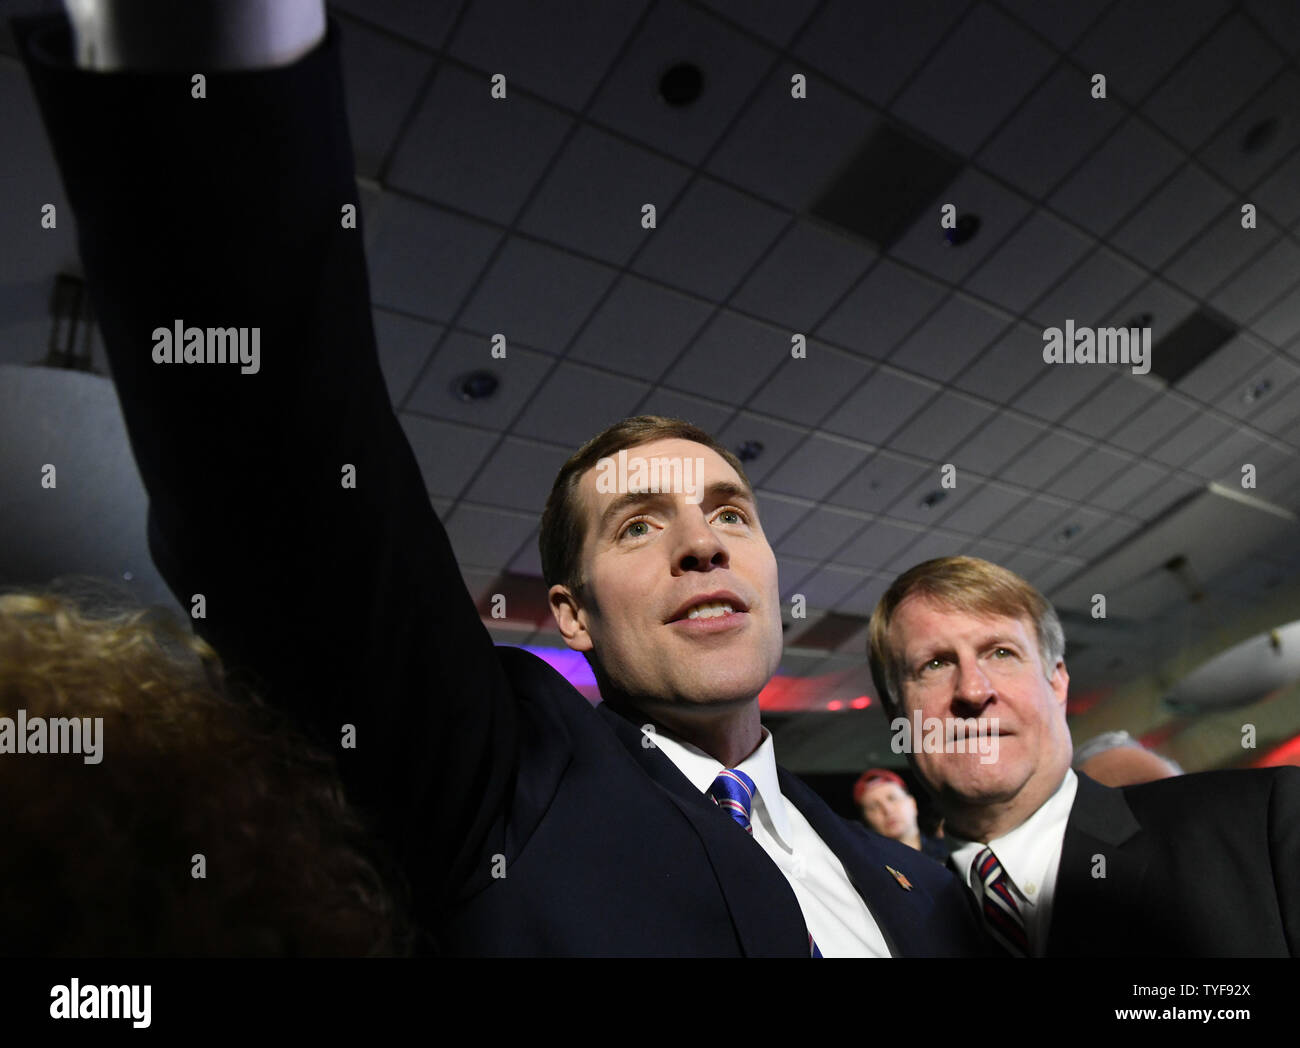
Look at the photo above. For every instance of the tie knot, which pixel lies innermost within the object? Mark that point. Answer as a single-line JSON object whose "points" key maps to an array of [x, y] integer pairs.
{"points": [[733, 792]]}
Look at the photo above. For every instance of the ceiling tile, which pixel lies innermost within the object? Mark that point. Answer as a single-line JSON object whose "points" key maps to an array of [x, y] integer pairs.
{"points": [[501, 146], [731, 63], [1223, 461], [878, 483], [1277, 415], [779, 513], [1217, 79], [1042, 462], [1262, 282], [640, 329], [1158, 306], [1225, 154], [821, 533], [707, 414], [576, 403], [1090, 292], [986, 504], [1154, 421], [1028, 520], [932, 544], [861, 601], [1128, 485], [815, 468], [1005, 368], [1059, 388], [404, 345], [592, 199], [777, 438], [729, 359], [1112, 405], [928, 500], [776, 20], [1280, 323], [827, 586], [1036, 257], [879, 544], [1227, 365], [1275, 197], [519, 375], [845, 41], [926, 246], [987, 49], [807, 271], [414, 240], [448, 454], [518, 475], [1117, 177], [1217, 253], [1275, 378], [1280, 21], [552, 49], [1089, 473], [383, 76], [804, 389], [1061, 21], [709, 240], [952, 337], [879, 407], [940, 427], [1183, 444], [1058, 126], [884, 307], [1136, 45], [996, 444], [537, 295], [1175, 214], [425, 24], [488, 538], [786, 149]]}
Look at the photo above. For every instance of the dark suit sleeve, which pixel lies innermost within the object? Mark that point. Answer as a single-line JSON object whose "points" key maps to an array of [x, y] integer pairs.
{"points": [[1284, 842], [343, 604]]}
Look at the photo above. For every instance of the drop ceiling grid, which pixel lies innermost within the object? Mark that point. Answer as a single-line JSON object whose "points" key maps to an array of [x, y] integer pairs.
{"points": [[995, 409]]}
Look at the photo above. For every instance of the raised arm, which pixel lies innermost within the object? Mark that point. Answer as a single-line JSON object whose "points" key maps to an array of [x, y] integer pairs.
{"points": [[281, 486]]}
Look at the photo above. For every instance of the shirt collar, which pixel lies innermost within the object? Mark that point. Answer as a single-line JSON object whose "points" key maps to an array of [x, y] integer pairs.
{"points": [[701, 769], [1026, 852]]}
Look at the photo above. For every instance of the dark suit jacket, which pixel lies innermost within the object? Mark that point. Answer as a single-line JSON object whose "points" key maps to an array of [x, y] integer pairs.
{"points": [[346, 606], [1204, 865]]}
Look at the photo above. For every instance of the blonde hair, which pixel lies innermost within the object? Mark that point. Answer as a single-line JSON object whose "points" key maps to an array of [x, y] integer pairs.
{"points": [[967, 584], [98, 858]]}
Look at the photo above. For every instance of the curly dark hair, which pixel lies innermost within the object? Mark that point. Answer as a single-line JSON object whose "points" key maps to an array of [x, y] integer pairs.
{"points": [[103, 859]]}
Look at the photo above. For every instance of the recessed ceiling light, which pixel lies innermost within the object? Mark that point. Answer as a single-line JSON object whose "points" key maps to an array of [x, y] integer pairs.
{"points": [[682, 84], [933, 499], [1257, 391], [963, 232], [1259, 136], [1068, 532], [749, 450], [475, 385], [1141, 320]]}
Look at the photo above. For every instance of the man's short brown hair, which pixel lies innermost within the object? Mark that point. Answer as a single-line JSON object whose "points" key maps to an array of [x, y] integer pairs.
{"points": [[967, 584], [563, 528]]}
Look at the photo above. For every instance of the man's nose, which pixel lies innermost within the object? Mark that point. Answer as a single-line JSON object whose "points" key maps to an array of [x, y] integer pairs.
{"points": [[972, 690], [700, 547]]}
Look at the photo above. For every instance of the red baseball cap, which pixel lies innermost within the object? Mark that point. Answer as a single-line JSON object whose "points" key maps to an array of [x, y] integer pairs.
{"points": [[873, 776]]}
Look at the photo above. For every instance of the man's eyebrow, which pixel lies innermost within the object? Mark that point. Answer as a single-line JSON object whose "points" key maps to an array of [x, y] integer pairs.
{"points": [[729, 491], [628, 500]]}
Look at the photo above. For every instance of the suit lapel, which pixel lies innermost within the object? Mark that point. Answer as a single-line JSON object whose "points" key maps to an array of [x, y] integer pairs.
{"points": [[1104, 858], [748, 879]]}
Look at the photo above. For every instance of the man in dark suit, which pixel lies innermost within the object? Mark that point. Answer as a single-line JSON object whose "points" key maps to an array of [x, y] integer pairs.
{"points": [[528, 822], [1200, 865]]}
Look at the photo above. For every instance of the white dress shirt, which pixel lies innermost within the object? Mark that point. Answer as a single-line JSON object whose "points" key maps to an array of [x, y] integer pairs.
{"points": [[838, 919], [1030, 856]]}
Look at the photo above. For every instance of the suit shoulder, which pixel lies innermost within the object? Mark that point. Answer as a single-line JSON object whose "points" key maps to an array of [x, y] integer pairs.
{"points": [[1227, 789]]}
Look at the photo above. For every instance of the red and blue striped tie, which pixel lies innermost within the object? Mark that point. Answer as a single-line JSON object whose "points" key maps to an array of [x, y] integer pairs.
{"points": [[1001, 911], [733, 792]]}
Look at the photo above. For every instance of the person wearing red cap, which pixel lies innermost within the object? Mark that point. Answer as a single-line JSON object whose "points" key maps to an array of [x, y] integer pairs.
{"points": [[890, 810]]}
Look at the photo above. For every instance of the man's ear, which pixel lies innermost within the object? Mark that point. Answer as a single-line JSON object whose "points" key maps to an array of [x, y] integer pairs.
{"points": [[570, 618], [1060, 682]]}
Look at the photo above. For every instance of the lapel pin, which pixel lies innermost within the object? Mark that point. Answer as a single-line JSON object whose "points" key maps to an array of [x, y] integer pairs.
{"points": [[903, 881]]}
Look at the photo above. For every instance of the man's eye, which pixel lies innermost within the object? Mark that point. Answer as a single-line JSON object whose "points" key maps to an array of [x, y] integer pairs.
{"points": [[1000, 652], [740, 517], [933, 664], [628, 531]]}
